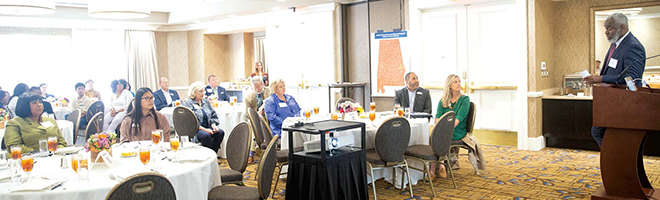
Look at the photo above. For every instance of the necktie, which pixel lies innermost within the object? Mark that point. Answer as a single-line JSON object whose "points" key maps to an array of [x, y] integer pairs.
{"points": [[215, 91], [259, 100], [607, 60]]}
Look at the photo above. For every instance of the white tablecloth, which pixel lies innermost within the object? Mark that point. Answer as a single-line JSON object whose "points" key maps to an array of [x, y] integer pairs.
{"points": [[191, 180], [229, 116], [61, 112], [419, 135], [66, 127]]}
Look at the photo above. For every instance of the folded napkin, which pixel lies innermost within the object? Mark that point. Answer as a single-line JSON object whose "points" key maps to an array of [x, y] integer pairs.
{"points": [[66, 150], [36, 185], [5, 177], [192, 157]]}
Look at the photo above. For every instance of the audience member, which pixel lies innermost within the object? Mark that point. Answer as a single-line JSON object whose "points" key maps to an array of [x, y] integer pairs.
{"points": [[138, 124], [164, 96], [118, 105], [214, 89], [18, 91], [255, 101], [208, 134], [29, 126], [48, 108], [128, 86], [413, 95], [82, 103], [259, 71], [279, 106], [4, 100], [44, 94], [90, 92]]}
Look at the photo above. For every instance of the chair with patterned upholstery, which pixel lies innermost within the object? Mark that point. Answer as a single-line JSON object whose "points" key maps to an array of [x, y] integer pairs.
{"points": [[148, 185], [74, 117], [392, 138], [94, 126], [185, 122], [265, 173], [438, 150], [237, 154], [96, 107]]}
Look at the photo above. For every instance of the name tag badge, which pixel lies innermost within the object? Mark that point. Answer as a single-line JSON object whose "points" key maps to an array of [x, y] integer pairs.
{"points": [[196, 107], [420, 93], [171, 94], [47, 124], [209, 90], [282, 105], [613, 63]]}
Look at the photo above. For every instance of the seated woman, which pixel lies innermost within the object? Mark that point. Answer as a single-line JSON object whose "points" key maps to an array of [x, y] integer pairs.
{"points": [[118, 105], [208, 134], [48, 108], [18, 91], [259, 71], [139, 123], [28, 127], [4, 100], [279, 106]]}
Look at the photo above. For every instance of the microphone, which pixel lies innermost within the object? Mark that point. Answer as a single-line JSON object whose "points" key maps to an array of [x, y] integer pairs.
{"points": [[629, 65]]}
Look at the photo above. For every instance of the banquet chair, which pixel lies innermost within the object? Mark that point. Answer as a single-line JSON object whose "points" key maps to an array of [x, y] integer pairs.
{"points": [[185, 122], [342, 100], [456, 145], [265, 129], [281, 155], [438, 148], [237, 154], [94, 126], [265, 173], [149, 185], [74, 117], [96, 107], [255, 122], [392, 138]]}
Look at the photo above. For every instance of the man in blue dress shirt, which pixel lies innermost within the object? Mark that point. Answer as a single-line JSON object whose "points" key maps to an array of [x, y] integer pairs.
{"points": [[214, 89], [164, 96]]}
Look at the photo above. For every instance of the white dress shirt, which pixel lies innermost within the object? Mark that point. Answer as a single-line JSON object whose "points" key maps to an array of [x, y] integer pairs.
{"points": [[168, 98]]}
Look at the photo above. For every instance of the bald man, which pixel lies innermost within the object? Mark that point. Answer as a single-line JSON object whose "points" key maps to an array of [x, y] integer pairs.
{"points": [[164, 96]]}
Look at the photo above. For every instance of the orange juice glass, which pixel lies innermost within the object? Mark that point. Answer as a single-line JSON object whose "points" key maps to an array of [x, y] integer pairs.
{"points": [[334, 116], [145, 155], [372, 116], [52, 144], [400, 112], [27, 163], [372, 106], [156, 136], [316, 110], [74, 162], [15, 152], [231, 103], [174, 143], [307, 113], [83, 164]]}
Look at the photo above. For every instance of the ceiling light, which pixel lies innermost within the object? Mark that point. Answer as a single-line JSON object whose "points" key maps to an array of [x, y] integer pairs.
{"points": [[276, 8], [118, 9], [24, 7]]}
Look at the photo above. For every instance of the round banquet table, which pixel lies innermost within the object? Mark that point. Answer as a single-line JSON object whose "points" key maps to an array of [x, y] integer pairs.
{"points": [[61, 112], [229, 116], [419, 135], [191, 180], [66, 127]]}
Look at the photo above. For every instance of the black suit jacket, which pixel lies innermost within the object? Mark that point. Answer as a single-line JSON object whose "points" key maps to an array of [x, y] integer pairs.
{"points": [[159, 98], [422, 100], [629, 52]]}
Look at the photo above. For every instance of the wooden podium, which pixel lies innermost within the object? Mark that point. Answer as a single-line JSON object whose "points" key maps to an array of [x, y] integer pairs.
{"points": [[629, 117]]}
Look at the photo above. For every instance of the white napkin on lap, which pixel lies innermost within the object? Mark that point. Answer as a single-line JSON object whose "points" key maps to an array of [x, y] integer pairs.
{"points": [[36, 185]]}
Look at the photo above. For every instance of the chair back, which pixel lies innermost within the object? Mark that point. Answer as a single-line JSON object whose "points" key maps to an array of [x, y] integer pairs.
{"points": [[96, 107], [238, 151], [185, 122], [95, 125], [392, 139], [265, 129], [74, 117], [148, 185], [267, 168], [440, 138], [255, 122], [131, 105], [469, 120], [342, 100]]}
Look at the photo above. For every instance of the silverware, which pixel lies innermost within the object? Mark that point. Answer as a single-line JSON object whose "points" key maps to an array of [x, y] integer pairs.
{"points": [[56, 186]]}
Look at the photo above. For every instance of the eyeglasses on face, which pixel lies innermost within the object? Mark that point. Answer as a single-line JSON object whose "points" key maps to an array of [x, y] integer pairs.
{"points": [[151, 98]]}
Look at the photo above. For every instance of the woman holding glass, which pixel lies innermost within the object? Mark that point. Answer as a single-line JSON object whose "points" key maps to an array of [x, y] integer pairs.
{"points": [[118, 105], [279, 106], [208, 134], [139, 123], [28, 127]]}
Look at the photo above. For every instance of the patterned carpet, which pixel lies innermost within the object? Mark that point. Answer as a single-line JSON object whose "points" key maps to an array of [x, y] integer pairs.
{"points": [[511, 174]]}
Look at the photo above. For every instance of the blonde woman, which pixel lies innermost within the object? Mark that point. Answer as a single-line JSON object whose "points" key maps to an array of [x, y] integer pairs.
{"points": [[279, 106], [208, 134], [452, 100]]}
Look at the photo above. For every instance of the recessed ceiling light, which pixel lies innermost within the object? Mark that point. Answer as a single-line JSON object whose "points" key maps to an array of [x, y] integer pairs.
{"points": [[232, 15], [276, 8]]}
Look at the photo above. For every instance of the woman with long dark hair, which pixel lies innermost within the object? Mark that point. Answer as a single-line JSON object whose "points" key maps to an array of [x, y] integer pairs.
{"points": [[138, 123], [18, 91], [118, 105]]}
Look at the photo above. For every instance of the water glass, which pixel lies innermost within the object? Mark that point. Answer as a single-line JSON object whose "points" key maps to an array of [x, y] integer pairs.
{"points": [[184, 140], [4, 160], [15, 171], [43, 145], [407, 111]]}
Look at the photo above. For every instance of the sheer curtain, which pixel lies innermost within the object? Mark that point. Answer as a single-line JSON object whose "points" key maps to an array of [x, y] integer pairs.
{"points": [[141, 53], [259, 51], [98, 54]]}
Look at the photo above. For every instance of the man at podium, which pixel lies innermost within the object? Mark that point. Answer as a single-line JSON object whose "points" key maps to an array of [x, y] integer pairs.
{"points": [[625, 58]]}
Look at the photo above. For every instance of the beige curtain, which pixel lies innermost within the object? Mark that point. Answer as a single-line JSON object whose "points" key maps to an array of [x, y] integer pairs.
{"points": [[141, 53], [259, 52]]}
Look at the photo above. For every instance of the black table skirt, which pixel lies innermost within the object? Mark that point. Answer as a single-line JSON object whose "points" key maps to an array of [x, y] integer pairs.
{"points": [[341, 177]]}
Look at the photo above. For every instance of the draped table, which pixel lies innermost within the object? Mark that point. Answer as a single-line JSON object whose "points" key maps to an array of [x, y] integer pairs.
{"points": [[66, 127], [191, 180], [419, 135], [229, 116], [61, 112]]}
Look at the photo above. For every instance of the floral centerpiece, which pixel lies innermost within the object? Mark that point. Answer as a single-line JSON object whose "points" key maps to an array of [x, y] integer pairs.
{"points": [[348, 107], [4, 116], [64, 101], [99, 142]]}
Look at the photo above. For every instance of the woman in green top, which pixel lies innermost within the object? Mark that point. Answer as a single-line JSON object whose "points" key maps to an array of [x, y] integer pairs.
{"points": [[29, 126], [452, 100]]}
